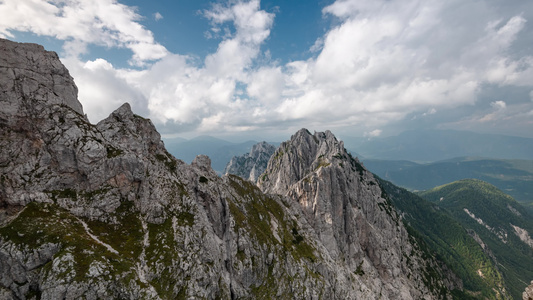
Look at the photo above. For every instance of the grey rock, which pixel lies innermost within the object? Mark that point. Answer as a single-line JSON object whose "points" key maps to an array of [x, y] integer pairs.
{"points": [[104, 211], [27, 71], [346, 209], [251, 165], [528, 293]]}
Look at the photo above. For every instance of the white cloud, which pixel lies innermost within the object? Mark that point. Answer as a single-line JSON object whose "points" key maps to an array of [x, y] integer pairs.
{"points": [[394, 58], [158, 16], [101, 22], [499, 112], [431, 111], [266, 85], [101, 88], [206, 96], [381, 62]]}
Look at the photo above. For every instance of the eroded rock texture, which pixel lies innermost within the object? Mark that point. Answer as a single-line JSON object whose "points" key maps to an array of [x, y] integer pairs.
{"points": [[104, 211], [251, 165]]}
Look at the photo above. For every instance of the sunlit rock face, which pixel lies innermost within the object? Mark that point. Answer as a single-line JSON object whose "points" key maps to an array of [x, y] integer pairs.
{"points": [[104, 211]]}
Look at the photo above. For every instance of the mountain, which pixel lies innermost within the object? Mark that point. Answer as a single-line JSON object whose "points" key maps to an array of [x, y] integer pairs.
{"points": [[443, 235], [434, 229], [316, 172], [435, 145], [219, 151], [251, 165], [105, 211], [515, 177], [497, 221]]}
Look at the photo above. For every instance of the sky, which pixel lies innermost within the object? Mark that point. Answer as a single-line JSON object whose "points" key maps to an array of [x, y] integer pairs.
{"points": [[255, 69]]}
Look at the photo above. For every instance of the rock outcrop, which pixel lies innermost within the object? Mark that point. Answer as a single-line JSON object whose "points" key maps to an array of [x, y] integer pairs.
{"points": [[27, 71], [251, 165], [104, 211], [528, 293]]}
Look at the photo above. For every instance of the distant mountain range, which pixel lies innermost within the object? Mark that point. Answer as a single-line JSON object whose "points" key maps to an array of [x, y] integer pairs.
{"points": [[435, 145], [514, 177], [420, 146]]}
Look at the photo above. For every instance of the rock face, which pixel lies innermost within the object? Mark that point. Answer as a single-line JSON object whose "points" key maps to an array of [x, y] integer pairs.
{"points": [[104, 211], [528, 293], [27, 71], [251, 165], [350, 214]]}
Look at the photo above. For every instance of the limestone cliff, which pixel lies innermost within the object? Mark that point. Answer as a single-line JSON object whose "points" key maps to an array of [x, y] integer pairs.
{"points": [[251, 165], [349, 212], [104, 211]]}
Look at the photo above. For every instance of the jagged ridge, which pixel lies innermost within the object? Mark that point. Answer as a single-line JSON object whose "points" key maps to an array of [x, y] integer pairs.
{"points": [[251, 165], [104, 211]]}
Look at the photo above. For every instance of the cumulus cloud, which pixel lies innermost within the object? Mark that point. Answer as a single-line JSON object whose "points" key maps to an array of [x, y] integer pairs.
{"points": [[381, 63], [498, 113], [102, 88], [208, 97], [79, 23], [158, 16]]}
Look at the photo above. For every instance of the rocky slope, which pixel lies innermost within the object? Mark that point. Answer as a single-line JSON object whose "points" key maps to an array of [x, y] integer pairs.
{"points": [[350, 214], [251, 165], [104, 211]]}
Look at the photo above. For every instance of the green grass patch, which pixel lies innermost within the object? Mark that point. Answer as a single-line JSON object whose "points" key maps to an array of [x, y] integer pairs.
{"points": [[41, 223]]}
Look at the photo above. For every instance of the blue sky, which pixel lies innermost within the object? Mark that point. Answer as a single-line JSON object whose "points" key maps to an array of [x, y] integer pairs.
{"points": [[263, 69]]}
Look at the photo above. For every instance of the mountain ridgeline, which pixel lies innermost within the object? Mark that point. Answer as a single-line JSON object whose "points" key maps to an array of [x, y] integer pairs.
{"points": [[515, 177], [474, 229], [488, 266], [487, 269], [436, 145], [103, 211]]}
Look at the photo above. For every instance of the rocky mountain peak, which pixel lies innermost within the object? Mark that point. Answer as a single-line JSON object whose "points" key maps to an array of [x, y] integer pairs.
{"points": [[528, 293], [345, 206], [251, 165], [131, 131], [303, 154], [261, 148], [30, 78], [202, 162], [123, 112]]}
